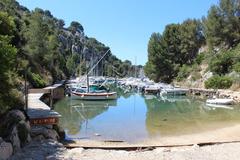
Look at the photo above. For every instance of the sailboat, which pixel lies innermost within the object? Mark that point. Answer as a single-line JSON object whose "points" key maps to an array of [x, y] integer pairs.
{"points": [[93, 93]]}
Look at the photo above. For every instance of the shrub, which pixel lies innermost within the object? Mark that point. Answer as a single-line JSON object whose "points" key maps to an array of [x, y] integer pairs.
{"points": [[219, 82], [222, 63], [236, 67], [200, 57], [196, 76], [36, 80], [183, 73]]}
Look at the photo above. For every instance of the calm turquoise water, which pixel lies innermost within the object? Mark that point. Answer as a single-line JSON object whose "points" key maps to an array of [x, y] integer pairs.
{"points": [[133, 117]]}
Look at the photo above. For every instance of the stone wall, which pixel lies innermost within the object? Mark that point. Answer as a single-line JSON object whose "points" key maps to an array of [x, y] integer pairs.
{"points": [[16, 133]]}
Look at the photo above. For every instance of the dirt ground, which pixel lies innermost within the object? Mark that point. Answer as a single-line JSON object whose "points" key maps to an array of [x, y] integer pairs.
{"points": [[52, 150], [227, 151]]}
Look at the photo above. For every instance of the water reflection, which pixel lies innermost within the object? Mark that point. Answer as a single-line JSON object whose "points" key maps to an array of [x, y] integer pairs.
{"points": [[134, 117], [183, 115], [76, 112]]}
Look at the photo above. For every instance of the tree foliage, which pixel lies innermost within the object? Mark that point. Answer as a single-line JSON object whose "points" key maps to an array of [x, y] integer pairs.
{"points": [[225, 61], [75, 26], [178, 45], [8, 97], [219, 82], [172, 53], [222, 25]]}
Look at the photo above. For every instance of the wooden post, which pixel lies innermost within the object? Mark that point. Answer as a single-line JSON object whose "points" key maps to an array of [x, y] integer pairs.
{"points": [[26, 90], [88, 83], [51, 98]]}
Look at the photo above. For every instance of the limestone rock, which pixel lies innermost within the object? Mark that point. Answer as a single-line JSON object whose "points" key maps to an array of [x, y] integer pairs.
{"points": [[24, 132], [14, 139], [15, 116], [207, 75], [6, 150], [39, 138], [12, 118], [60, 131], [51, 134], [47, 133]]}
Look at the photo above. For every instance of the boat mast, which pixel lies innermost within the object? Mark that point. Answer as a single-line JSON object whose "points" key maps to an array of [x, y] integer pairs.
{"points": [[135, 68], [95, 67]]}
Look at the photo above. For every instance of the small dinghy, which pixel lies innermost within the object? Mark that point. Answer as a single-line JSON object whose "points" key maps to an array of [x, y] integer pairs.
{"points": [[220, 101], [214, 106]]}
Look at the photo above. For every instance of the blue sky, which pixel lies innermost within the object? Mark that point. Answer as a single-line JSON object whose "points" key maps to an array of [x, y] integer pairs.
{"points": [[123, 25]]}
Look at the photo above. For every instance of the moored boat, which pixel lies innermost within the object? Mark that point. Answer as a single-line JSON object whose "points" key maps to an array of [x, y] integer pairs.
{"points": [[223, 101], [94, 95], [173, 91], [95, 91], [214, 106], [151, 89]]}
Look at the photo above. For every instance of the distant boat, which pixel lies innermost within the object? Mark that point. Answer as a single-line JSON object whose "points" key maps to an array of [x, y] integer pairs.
{"points": [[149, 96], [220, 101], [173, 92], [152, 89]]}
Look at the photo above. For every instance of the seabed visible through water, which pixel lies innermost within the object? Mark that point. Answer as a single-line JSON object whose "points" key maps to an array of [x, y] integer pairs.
{"points": [[136, 119]]}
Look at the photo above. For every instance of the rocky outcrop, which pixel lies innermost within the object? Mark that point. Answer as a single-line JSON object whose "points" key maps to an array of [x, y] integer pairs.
{"points": [[6, 149], [14, 139], [60, 131], [77, 43], [40, 132], [15, 132]]}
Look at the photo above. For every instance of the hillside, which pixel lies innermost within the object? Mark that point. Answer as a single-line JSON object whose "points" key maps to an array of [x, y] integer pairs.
{"points": [[199, 52], [38, 46]]}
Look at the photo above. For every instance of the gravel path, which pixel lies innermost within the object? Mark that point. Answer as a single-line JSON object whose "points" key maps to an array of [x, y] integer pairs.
{"points": [[52, 150], [225, 151]]}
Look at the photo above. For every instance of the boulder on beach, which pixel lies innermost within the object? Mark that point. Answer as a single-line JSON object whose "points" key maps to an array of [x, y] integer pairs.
{"points": [[6, 149]]}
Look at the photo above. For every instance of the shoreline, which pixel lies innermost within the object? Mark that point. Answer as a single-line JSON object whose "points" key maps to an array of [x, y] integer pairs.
{"points": [[50, 149], [220, 93], [222, 135]]}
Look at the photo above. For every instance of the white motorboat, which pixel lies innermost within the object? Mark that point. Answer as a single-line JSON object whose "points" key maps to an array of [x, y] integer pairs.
{"points": [[221, 101], [173, 91], [152, 89], [214, 106]]}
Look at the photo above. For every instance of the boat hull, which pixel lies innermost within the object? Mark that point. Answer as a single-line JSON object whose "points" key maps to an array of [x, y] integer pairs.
{"points": [[94, 96], [151, 90], [214, 106], [174, 92], [220, 101]]}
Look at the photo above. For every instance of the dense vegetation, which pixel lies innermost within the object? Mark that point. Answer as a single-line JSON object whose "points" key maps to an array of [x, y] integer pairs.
{"points": [[178, 51], [178, 45], [218, 82], [8, 95], [36, 45]]}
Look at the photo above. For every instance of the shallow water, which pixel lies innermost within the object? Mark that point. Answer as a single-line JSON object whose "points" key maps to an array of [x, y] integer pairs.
{"points": [[134, 117]]}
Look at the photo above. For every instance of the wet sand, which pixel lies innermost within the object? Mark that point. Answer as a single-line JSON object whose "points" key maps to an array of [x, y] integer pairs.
{"points": [[227, 134]]}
